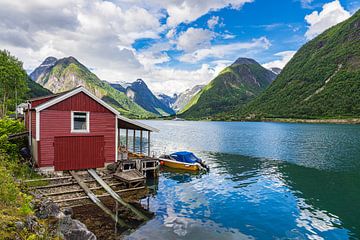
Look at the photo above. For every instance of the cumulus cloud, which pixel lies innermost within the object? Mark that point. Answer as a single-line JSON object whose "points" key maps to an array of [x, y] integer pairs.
{"points": [[213, 21], [194, 38], [188, 10], [224, 50], [306, 3], [101, 35], [284, 56], [332, 13]]}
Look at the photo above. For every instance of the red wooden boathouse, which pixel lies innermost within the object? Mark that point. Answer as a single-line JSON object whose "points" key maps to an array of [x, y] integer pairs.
{"points": [[76, 130]]}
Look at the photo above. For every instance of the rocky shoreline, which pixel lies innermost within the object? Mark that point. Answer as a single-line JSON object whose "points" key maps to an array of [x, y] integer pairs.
{"points": [[49, 222]]}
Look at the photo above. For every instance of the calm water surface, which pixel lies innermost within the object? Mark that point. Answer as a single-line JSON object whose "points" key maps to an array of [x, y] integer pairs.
{"points": [[267, 181]]}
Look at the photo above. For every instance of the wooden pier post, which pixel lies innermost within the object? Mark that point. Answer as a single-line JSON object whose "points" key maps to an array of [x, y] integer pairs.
{"points": [[127, 139], [141, 141], [134, 141], [148, 143]]}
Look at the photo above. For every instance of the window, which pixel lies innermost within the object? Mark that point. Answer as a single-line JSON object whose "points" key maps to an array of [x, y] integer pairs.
{"points": [[80, 122]]}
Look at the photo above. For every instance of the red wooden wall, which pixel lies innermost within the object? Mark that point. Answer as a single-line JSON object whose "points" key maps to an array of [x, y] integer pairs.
{"points": [[78, 152], [55, 121]]}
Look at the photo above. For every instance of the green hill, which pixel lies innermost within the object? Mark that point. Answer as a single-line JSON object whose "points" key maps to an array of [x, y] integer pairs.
{"points": [[36, 90], [322, 79], [68, 73], [234, 86]]}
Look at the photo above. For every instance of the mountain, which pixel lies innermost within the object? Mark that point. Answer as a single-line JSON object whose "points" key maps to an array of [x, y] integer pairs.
{"points": [[236, 85], [321, 80], [44, 68], [184, 98], [35, 89], [139, 93], [68, 73], [167, 100], [276, 70]]}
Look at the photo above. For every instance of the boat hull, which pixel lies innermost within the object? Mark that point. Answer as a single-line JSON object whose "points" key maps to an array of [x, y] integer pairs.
{"points": [[179, 165]]}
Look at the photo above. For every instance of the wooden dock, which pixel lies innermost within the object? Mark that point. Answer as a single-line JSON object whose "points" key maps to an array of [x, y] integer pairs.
{"points": [[131, 177], [86, 187]]}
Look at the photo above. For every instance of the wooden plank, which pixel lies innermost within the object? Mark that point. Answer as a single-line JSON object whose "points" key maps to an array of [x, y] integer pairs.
{"points": [[46, 179], [18, 135], [115, 195], [96, 200], [102, 195], [80, 190], [66, 184]]}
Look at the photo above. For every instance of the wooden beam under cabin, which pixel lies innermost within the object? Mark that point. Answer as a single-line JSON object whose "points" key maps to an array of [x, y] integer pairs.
{"points": [[141, 141], [148, 143], [127, 139], [134, 141]]}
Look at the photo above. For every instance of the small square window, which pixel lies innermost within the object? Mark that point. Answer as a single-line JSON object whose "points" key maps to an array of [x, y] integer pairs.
{"points": [[80, 122]]}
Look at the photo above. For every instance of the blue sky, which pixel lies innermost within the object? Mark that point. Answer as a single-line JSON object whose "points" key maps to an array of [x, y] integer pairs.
{"points": [[174, 44]]}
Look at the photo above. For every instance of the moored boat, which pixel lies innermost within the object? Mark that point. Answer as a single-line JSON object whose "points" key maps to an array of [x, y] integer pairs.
{"points": [[183, 160]]}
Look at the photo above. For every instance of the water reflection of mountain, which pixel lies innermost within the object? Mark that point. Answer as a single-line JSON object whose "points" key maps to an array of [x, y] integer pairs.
{"points": [[323, 197], [335, 192]]}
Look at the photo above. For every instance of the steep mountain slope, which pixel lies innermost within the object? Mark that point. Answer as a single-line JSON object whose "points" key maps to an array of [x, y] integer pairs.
{"points": [[43, 69], [184, 98], [276, 70], [35, 89], [139, 92], [68, 73], [321, 80], [167, 100], [234, 86]]}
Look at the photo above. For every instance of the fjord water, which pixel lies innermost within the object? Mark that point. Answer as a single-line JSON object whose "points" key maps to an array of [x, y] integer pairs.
{"points": [[267, 181]]}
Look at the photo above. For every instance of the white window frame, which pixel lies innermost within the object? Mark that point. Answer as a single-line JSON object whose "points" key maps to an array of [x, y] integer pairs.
{"points": [[87, 130]]}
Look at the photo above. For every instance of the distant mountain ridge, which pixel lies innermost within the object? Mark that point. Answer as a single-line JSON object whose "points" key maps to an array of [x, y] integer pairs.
{"points": [[321, 80], [139, 92], [44, 68], [185, 97], [67, 73], [235, 86], [167, 100]]}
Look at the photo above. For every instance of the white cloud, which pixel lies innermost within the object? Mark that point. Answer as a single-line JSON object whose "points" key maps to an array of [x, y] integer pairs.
{"points": [[188, 10], [194, 38], [100, 34], [170, 80], [284, 56], [213, 21], [222, 51], [332, 13], [306, 3]]}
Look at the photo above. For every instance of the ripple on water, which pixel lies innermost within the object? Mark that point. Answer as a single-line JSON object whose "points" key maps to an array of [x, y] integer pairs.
{"points": [[312, 193]]}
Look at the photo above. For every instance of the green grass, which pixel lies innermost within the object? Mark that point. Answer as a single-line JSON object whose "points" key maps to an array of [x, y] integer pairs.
{"points": [[15, 205]]}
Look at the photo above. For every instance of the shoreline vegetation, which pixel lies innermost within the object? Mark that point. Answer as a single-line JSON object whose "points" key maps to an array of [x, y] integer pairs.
{"points": [[344, 120]]}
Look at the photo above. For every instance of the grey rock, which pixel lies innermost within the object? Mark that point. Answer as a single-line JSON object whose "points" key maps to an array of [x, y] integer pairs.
{"points": [[75, 230], [47, 209], [31, 223], [68, 212], [19, 225]]}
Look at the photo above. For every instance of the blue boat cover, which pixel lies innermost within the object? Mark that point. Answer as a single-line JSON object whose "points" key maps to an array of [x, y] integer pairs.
{"points": [[186, 157]]}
